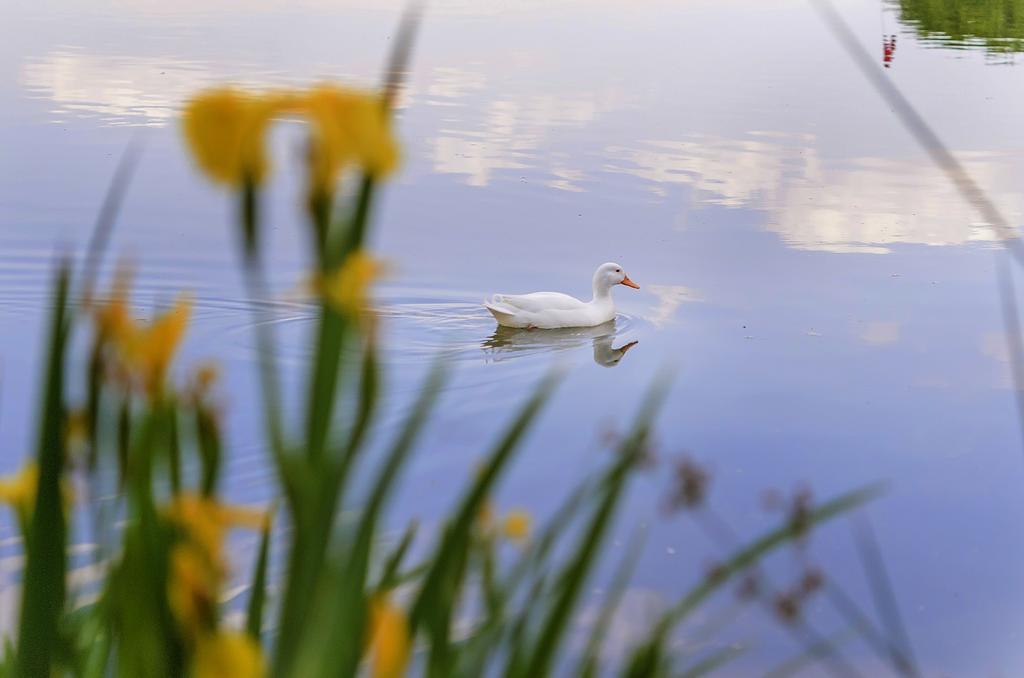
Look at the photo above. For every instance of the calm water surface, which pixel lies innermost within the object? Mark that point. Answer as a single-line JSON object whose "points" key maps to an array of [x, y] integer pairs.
{"points": [[826, 301]]}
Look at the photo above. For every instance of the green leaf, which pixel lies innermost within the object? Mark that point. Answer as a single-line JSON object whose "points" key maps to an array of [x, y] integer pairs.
{"points": [[313, 498], [43, 588], [258, 594], [323, 380], [592, 654], [501, 622], [138, 584], [103, 227], [433, 605], [249, 218], [208, 438], [369, 388], [573, 577], [345, 625], [174, 446], [389, 576]]}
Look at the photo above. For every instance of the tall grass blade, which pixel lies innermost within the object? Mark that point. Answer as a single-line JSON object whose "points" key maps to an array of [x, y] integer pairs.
{"points": [[397, 67], [43, 588], [433, 605], [475, 650], [313, 499], [93, 400], [885, 599], [570, 584], [138, 585], [368, 395], [590, 661], [858, 621], [323, 382], [208, 438], [389, 577], [258, 594], [394, 75], [538, 551], [344, 644], [259, 297], [173, 447], [1014, 335], [106, 219], [573, 577], [124, 435]]}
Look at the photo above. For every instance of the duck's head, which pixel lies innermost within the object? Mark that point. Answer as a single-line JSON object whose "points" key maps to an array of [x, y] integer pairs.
{"points": [[608, 275]]}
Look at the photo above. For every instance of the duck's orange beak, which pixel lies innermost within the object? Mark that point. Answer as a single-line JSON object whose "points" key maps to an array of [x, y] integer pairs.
{"points": [[629, 283]]}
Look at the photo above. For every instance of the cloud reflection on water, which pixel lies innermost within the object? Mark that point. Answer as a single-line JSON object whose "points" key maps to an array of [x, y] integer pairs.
{"points": [[122, 90], [670, 298], [814, 201], [860, 204], [514, 133]]}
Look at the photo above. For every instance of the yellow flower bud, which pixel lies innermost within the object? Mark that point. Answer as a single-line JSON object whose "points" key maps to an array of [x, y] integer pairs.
{"points": [[113, 319], [390, 644], [516, 525], [19, 489], [148, 349], [198, 564], [192, 587], [228, 653], [346, 289]]}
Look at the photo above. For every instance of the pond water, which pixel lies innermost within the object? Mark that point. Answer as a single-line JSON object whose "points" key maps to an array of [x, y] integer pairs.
{"points": [[825, 300]]}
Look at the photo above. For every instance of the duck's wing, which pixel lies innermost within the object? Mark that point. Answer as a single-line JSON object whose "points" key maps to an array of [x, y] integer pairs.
{"points": [[537, 302]]}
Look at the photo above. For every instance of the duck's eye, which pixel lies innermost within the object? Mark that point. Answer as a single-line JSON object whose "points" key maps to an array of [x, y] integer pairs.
{"points": [[618, 270]]}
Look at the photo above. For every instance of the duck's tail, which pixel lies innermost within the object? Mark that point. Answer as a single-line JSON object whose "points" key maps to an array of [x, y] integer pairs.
{"points": [[503, 313]]}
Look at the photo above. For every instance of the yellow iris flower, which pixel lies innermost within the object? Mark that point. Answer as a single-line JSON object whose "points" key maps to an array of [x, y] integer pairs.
{"points": [[113, 318], [228, 653], [192, 587], [347, 288], [19, 488], [149, 348], [390, 644], [205, 521], [226, 131], [516, 525], [197, 562], [146, 349], [349, 128], [204, 379]]}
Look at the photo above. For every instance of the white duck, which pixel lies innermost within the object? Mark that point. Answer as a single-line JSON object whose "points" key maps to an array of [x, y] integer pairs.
{"points": [[548, 310]]}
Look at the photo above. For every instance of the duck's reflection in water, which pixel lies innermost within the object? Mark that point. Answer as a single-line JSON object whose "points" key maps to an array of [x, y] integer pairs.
{"points": [[508, 342]]}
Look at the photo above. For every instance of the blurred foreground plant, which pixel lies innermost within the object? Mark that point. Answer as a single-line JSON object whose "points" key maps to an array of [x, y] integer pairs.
{"points": [[345, 601]]}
